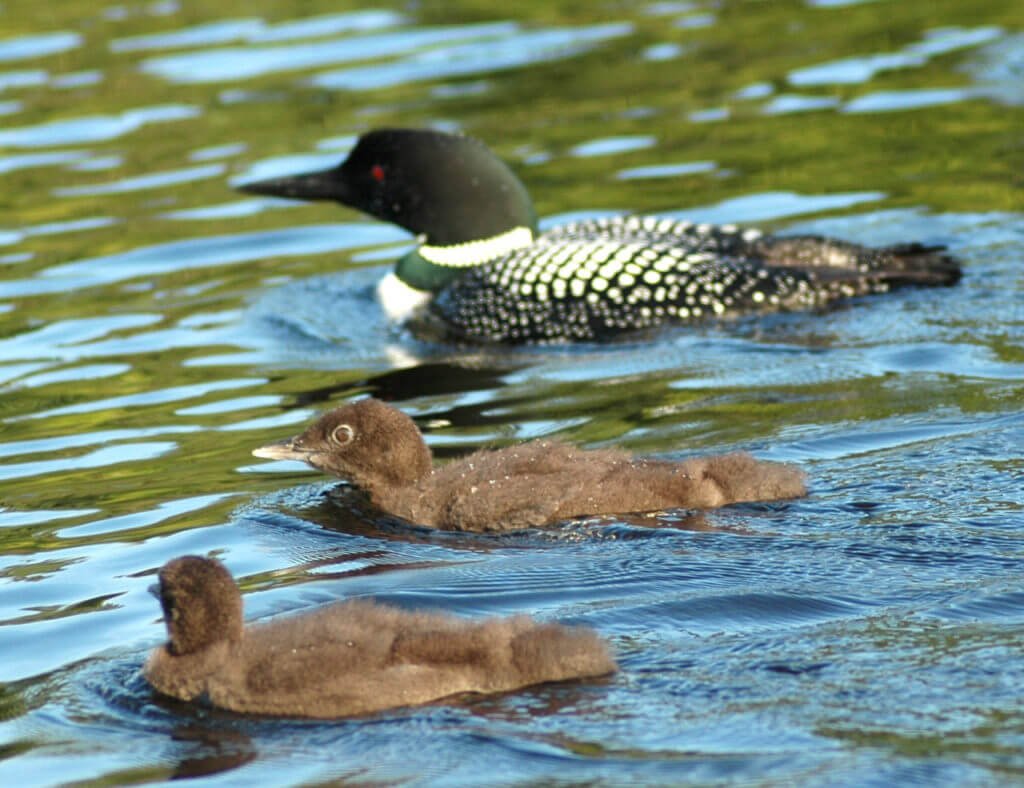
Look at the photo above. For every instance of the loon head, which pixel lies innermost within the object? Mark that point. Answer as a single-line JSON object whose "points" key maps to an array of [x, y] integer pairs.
{"points": [[201, 603], [368, 442], [449, 189]]}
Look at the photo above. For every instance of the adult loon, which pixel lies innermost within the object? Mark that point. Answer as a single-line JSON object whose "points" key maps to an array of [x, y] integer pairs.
{"points": [[380, 450], [484, 271]]}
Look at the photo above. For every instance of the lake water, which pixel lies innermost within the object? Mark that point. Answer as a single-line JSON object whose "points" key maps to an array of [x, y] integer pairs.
{"points": [[155, 326]]}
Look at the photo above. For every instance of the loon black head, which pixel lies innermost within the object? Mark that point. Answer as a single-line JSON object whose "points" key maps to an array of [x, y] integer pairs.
{"points": [[448, 188]]}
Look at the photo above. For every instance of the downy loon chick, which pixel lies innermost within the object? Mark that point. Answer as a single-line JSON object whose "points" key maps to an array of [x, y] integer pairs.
{"points": [[380, 450], [483, 272], [347, 658]]}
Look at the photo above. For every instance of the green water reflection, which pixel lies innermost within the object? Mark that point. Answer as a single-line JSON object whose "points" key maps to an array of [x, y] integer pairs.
{"points": [[155, 326]]}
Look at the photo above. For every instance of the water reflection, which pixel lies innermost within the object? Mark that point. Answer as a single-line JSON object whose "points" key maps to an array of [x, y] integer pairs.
{"points": [[209, 750], [900, 100], [93, 128], [40, 45], [154, 180], [228, 64], [510, 49], [154, 327], [862, 69]]}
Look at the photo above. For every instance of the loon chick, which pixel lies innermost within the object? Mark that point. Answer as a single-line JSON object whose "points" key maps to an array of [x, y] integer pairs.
{"points": [[484, 272], [381, 451], [348, 658]]}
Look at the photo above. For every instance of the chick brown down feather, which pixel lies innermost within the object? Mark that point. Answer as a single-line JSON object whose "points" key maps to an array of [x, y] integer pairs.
{"points": [[349, 658], [538, 483]]}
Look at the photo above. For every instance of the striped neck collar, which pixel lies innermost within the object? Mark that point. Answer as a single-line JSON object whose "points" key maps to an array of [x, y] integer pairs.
{"points": [[471, 253]]}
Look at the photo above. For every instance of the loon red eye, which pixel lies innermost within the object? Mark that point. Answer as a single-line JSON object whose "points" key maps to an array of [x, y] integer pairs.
{"points": [[377, 173]]}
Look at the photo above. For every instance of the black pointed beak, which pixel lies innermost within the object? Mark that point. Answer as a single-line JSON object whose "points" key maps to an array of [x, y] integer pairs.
{"points": [[283, 450], [319, 185]]}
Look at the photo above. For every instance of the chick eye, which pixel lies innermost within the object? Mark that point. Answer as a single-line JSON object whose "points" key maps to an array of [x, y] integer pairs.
{"points": [[377, 173], [342, 434]]}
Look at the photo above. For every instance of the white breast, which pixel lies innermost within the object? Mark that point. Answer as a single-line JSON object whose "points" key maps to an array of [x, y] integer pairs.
{"points": [[399, 301]]}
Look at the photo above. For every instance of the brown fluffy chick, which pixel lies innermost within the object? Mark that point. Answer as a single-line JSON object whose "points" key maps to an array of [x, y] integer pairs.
{"points": [[381, 451], [348, 658]]}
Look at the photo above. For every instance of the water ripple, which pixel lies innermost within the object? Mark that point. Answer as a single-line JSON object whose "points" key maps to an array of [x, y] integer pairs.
{"points": [[153, 180], [20, 161], [141, 519], [232, 64], [199, 253], [862, 69], [38, 45], [99, 458], [869, 632], [64, 442], [902, 100], [611, 145], [257, 30], [511, 50], [146, 398], [93, 128]]}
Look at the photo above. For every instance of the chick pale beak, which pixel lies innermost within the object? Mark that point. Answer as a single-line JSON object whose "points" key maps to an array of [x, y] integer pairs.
{"points": [[282, 450]]}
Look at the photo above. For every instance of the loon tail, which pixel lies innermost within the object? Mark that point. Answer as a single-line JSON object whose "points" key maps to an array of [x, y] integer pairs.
{"points": [[917, 264], [829, 260]]}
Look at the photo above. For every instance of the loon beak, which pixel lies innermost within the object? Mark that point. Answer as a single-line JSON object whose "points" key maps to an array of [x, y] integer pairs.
{"points": [[319, 185], [290, 448], [283, 450]]}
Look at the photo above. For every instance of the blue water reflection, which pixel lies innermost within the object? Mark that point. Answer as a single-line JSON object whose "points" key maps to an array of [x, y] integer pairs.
{"points": [[156, 326], [39, 45], [509, 49], [860, 69], [93, 128]]}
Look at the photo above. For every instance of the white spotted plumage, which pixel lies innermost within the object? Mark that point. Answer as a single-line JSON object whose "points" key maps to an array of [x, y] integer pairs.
{"points": [[592, 279]]}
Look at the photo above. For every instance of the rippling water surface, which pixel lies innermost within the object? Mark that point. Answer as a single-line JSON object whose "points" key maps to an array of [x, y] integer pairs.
{"points": [[155, 326]]}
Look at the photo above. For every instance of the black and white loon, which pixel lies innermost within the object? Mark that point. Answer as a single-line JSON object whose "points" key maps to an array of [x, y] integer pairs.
{"points": [[483, 269]]}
